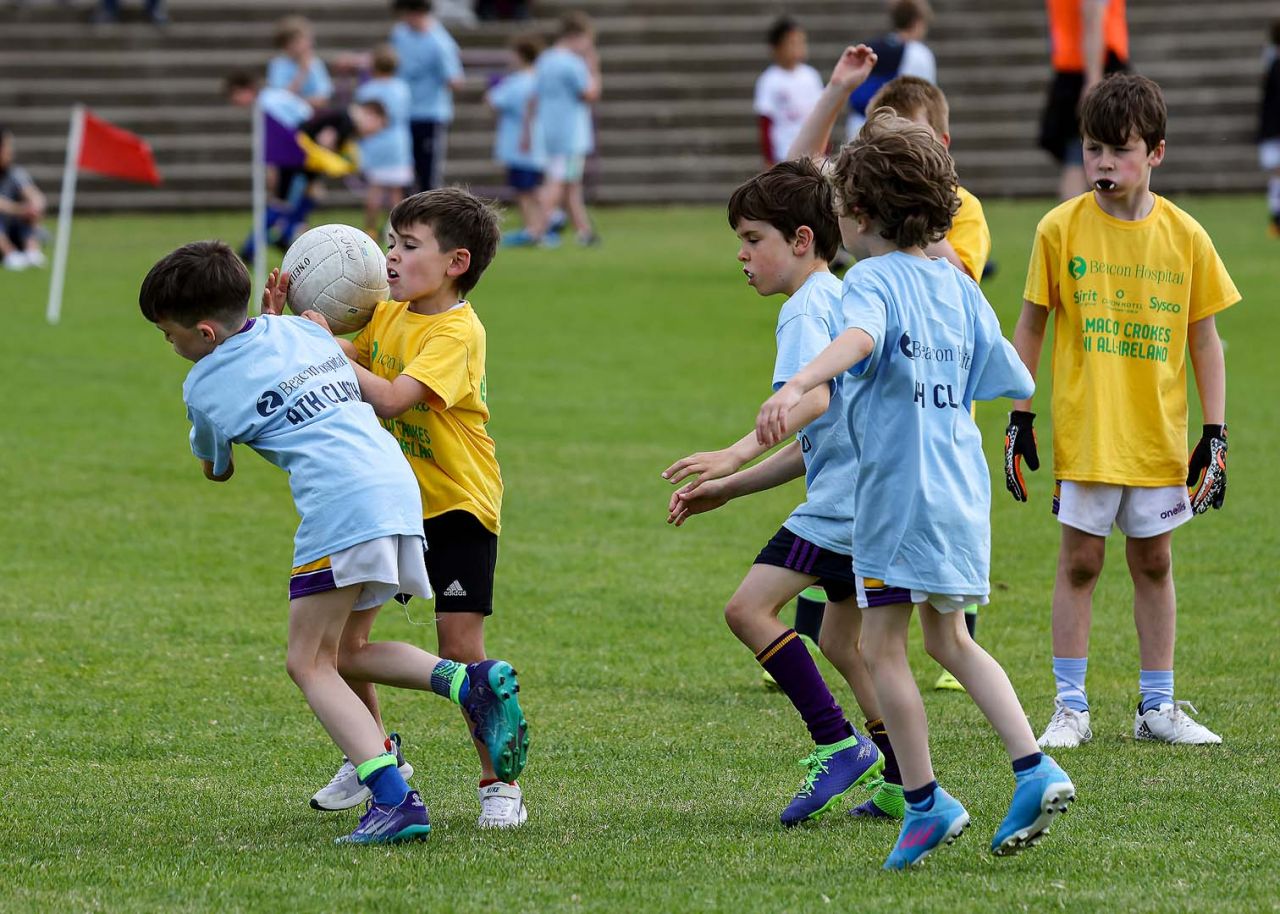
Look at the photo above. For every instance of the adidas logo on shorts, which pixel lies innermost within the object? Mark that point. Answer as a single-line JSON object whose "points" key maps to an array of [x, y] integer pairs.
{"points": [[455, 590]]}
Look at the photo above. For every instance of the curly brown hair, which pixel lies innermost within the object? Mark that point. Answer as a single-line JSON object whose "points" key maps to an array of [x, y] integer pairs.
{"points": [[896, 173]]}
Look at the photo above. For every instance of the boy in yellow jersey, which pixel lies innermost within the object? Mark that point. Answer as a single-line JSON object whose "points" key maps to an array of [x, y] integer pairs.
{"points": [[1133, 284], [421, 364], [967, 244]]}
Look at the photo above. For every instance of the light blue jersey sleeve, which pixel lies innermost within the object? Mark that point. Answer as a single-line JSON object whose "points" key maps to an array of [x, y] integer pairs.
{"points": [[450, 56], [997, 369], [865, 309], [800, 340], [318, 83], [208, 442]]}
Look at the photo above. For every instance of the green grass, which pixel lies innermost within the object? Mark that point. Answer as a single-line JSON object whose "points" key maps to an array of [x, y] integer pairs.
{"points": [[156, 756]]}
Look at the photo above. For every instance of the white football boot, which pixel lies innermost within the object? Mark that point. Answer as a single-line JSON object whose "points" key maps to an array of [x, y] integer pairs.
{"points": [[344, 789], [501, 806], [1170, 724], [1067, 729]]}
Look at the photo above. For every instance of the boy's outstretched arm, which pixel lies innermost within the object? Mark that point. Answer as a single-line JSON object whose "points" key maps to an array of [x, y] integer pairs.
{"points": [[1019, 436], [1207, 469], [851, 71], [845, 351], [709, 465], [708, 494], [1028, 340]]}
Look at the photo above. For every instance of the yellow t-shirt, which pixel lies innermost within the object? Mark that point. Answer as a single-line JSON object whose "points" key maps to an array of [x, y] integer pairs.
{"points": [[443, 437], [969, 234], [1122, 295]]}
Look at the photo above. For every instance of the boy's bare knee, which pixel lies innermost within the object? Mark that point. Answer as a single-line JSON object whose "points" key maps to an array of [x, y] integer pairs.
{"points": [[1083, 566], [1154, 564], [739, 613]]}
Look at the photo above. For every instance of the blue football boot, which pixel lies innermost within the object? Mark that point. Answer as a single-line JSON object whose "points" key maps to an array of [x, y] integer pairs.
{"points": [[1039, 794], [834, 771], [923, 831], [386, 824], [494, 709]]}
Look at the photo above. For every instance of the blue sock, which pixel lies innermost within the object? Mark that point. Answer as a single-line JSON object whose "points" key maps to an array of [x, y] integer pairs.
{"points": [[1027, 762], [1068, 674], [921, 799], [1156, 687], [388, 786], [449, 679]]}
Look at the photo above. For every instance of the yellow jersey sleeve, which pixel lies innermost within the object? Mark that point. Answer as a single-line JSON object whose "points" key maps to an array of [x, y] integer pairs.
{"points": [[969, 234], [444, 366], [1042, 277], [1211, 287]]}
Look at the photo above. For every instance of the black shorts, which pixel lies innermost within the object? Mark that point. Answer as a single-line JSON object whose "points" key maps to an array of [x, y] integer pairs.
{"points": [[833, 570], [1060, 123], [461, 556]]}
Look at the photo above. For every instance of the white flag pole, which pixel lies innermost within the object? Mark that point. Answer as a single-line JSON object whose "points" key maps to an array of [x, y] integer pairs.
{"points": [[259, 205], [66, 203]]}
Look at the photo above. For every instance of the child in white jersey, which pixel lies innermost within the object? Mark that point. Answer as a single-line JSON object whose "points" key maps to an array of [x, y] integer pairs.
{"points": [[921, 345]]}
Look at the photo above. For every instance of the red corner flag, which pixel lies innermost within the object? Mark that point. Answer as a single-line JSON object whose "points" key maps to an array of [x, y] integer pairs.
{"points": [[108, 150]]}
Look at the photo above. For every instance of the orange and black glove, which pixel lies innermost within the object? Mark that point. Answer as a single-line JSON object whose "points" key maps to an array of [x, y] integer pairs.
{"points": [[1207, 470], [1019, 445]]}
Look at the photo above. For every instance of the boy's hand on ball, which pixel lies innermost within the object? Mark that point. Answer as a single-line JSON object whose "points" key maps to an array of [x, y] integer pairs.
{"points": [[317, 318], [275, 293]]}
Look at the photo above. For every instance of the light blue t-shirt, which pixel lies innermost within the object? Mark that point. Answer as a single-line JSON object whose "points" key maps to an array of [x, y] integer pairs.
{"points": [[285, 107], [562, 77], [284, 388], [807, 323], [392, 146], [510, 98], [922, 490], [281, 71], [428, 62]]}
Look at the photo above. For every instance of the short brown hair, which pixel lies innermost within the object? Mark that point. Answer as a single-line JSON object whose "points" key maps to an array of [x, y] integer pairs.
{"points": [[1122, 104], [458, 219], [203, 280], [385, 60], [903, 14], [787, 196], [911, 95], [898, 174], [289, 28], [527, 46], [575, 23], [240, 79]]}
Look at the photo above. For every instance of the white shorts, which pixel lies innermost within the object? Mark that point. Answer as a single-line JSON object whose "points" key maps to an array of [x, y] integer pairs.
{"points": [[565, 168], [390, 176], [1269, 155], [1139, 512], [872, 592], [386, 566]]}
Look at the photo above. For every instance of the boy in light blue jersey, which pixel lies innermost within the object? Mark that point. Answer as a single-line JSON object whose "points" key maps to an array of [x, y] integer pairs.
{"points": [[386, 157], [518, 143], [786, 224], [282, 386], [296, 68], [432, 66], [568, 80], [921, 345]]}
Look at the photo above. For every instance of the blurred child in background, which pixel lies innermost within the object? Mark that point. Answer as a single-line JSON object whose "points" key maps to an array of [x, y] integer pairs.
{"points": [[386, 157], [518, 143], [21, 209]]}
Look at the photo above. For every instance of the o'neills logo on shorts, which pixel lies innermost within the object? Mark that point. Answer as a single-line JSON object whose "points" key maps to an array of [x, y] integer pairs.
{"points": [[1174, 511]]}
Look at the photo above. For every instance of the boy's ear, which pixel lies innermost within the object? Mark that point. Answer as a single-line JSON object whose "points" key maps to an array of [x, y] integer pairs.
{"points": [[803, 242], [208, 331], [459, 263], [1156, 156]]}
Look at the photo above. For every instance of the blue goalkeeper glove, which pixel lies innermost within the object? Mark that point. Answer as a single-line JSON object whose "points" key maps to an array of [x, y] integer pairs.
{"points": [[1019, 445], [1207, 470]]}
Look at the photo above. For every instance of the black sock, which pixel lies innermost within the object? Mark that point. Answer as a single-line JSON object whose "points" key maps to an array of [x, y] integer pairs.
{"points": [[1027, 762], [809, 616], [971, 623], [879, 736], [920, 795]]}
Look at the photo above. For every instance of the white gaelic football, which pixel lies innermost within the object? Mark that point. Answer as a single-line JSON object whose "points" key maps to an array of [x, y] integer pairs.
{"points": [[340, 272]]}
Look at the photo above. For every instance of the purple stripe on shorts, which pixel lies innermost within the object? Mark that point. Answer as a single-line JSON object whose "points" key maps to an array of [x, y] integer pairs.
{"points": [[887, 596], [791, 556], [303, 585], [813, 558]]}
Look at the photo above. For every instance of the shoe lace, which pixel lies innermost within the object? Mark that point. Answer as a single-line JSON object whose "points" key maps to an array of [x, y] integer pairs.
{"points": [[1061, 715], [874, 784], [341, 773], [816, 762], [1178, 705]]}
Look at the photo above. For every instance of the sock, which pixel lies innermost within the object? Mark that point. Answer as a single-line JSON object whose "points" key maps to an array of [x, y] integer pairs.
{"points": [[880, 736], [1156, 687], [449, 680], [1273, 198], [1068, 674], [788, 662], [971, 619], [921, 799], [383, 779], [1027, 762], [294, 218], [809, 609]]}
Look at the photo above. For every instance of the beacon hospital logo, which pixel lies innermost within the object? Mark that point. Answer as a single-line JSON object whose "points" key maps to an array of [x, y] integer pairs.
{"points": [[1078, 267]]}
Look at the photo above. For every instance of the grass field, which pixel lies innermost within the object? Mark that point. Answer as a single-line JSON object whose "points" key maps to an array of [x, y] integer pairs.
{"points": [[156, 755]]}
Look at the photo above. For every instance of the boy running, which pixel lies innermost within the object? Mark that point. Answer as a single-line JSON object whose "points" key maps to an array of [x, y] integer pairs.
{"points": [[421, 364], [921, 345], [786, 224], [1133, 283], [281, 386]]}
